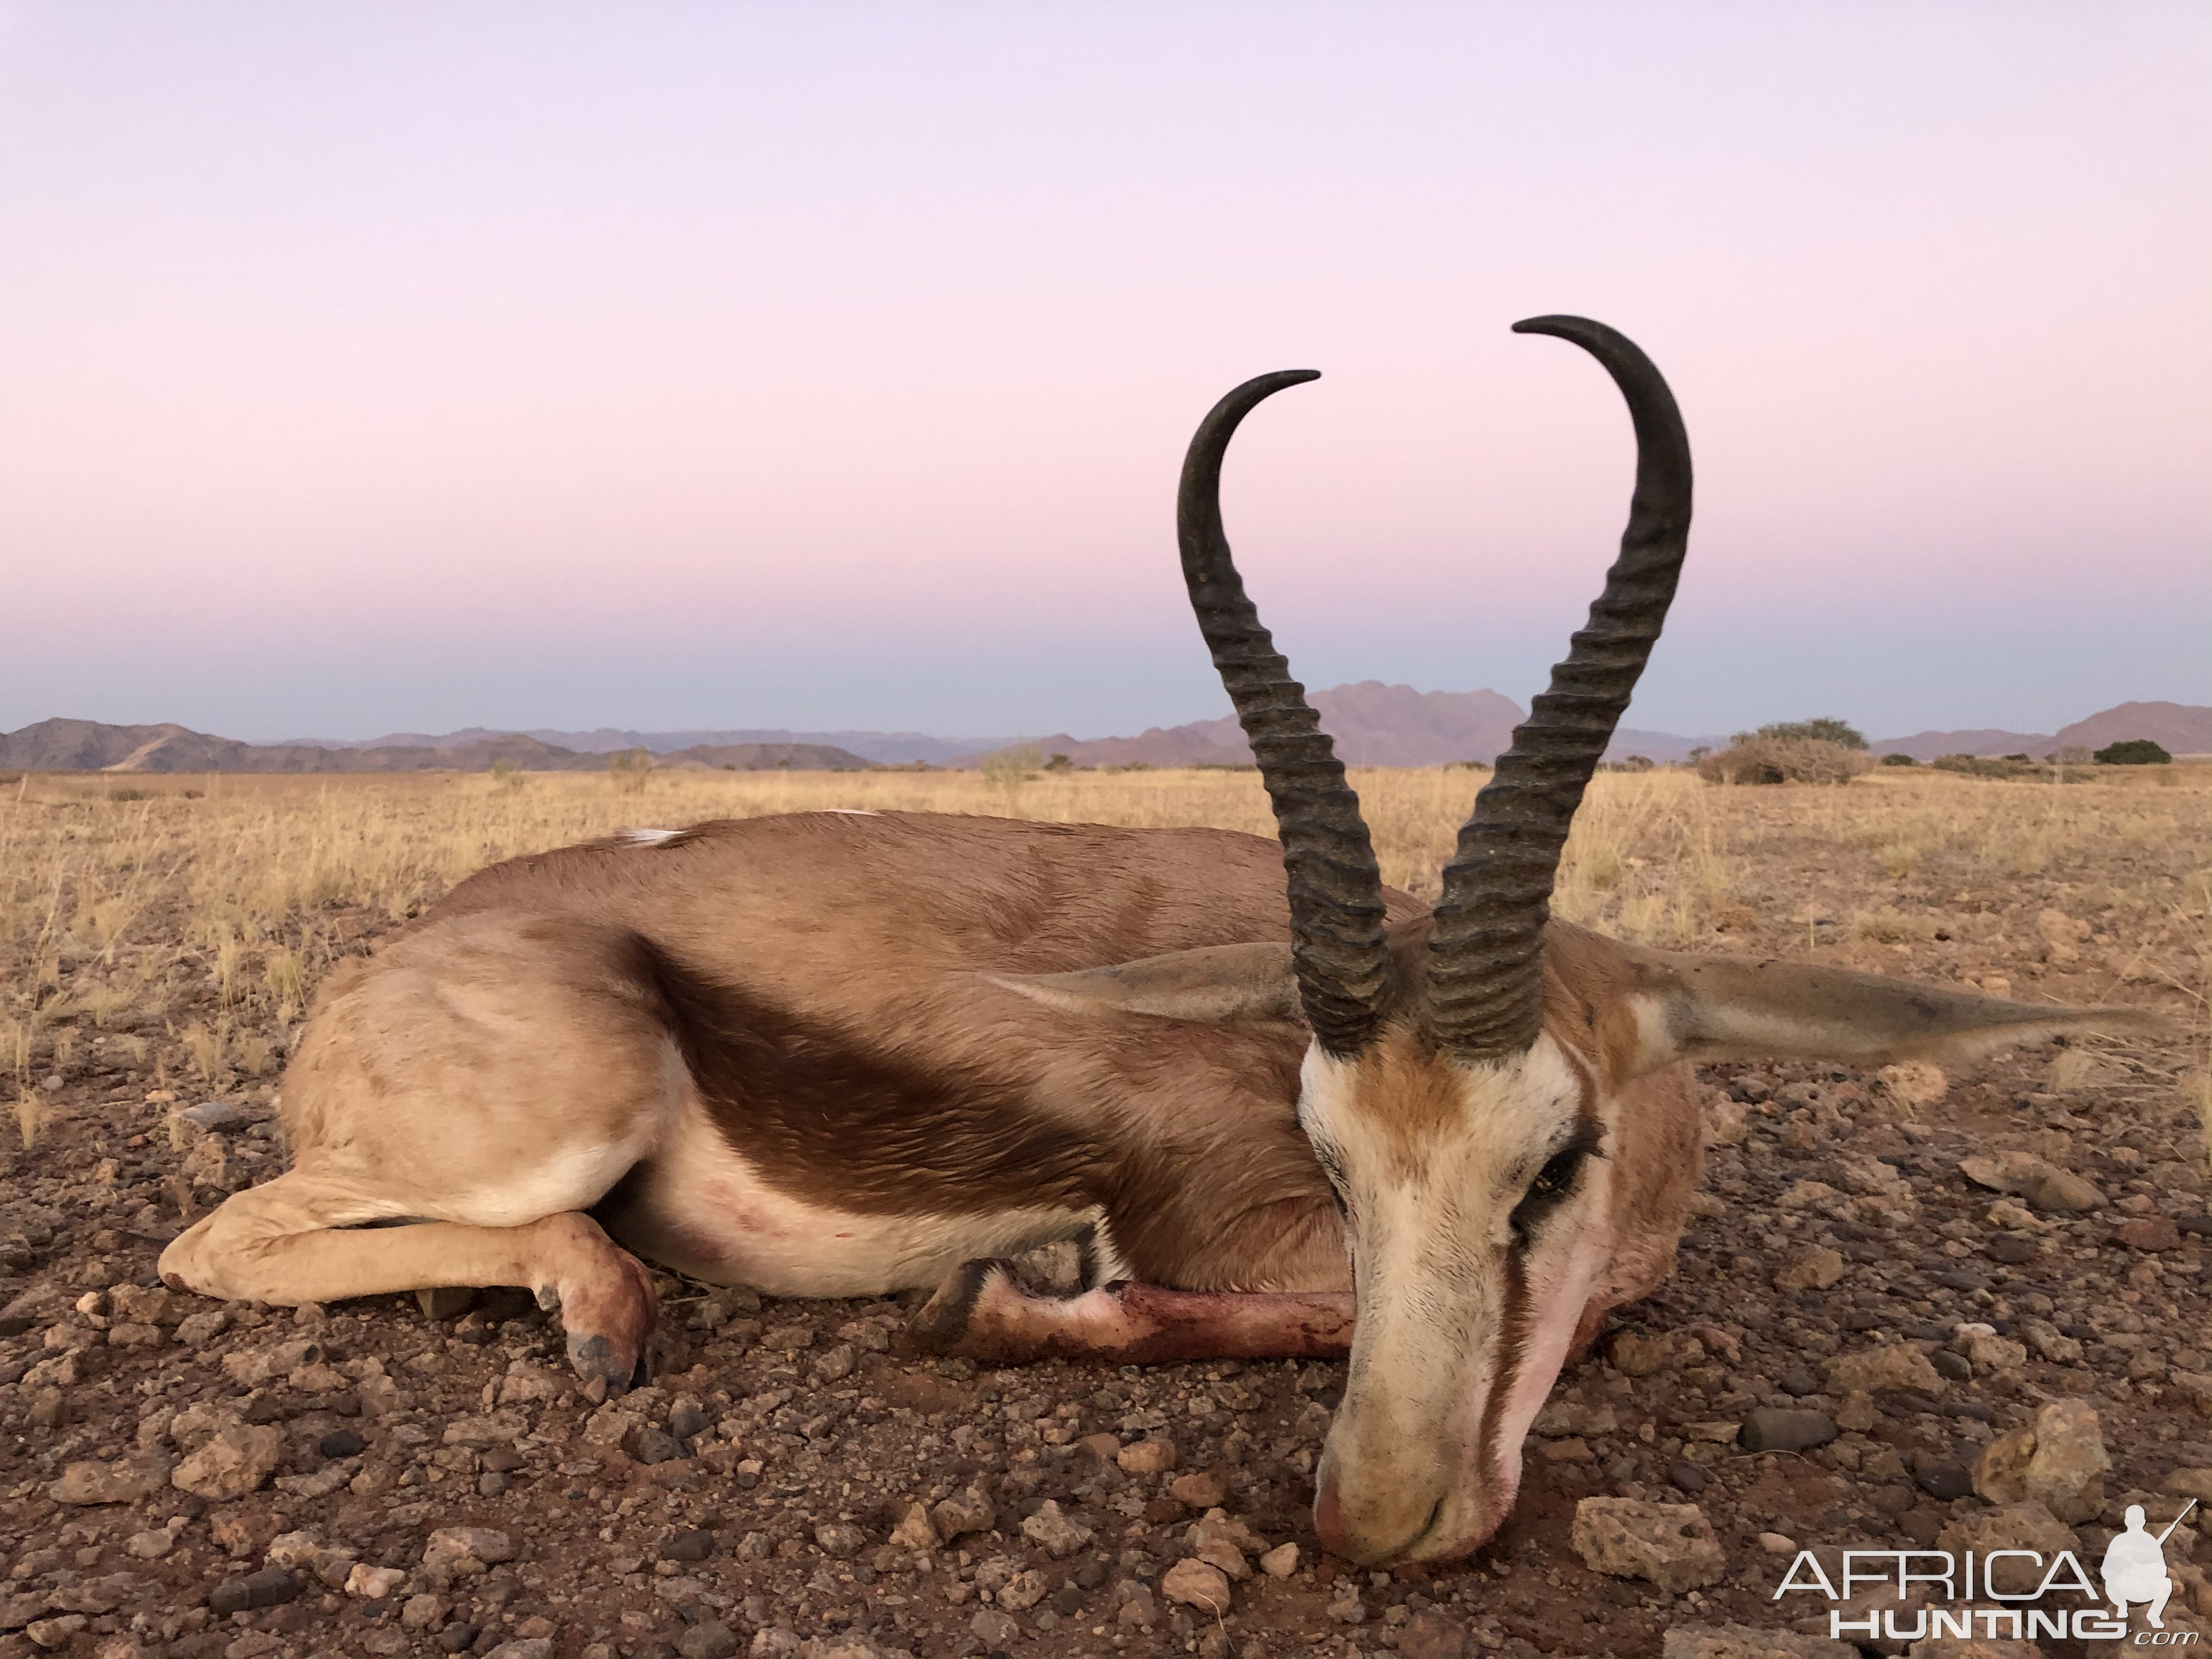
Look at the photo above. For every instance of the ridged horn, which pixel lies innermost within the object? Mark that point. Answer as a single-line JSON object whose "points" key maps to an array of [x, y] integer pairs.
{"points": [[1485, 993], [1335, 888]]}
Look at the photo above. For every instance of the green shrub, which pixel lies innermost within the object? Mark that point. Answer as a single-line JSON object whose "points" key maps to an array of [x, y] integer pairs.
{"points": [[1899, 760], [2133, 751], [1821, 729], [1009, 769], [1756, 759]]}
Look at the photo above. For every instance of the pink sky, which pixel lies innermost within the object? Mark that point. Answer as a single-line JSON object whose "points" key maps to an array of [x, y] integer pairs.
{"points": [[371, 367]]}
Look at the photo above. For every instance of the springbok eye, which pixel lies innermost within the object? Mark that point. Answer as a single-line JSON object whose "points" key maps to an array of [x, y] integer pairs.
{"points": [[1551, 1187]]}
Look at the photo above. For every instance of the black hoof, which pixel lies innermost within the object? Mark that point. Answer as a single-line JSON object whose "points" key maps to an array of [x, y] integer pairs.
{"points": [[596, 1359], [943, 1318]]}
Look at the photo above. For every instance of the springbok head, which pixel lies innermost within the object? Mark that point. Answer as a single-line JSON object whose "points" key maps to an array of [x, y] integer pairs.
{"points": [[1468, 1089], [1467, 1146]]}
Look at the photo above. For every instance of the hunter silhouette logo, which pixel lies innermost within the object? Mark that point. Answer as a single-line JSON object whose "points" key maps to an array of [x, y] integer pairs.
{"points": [[2135, 1567]]}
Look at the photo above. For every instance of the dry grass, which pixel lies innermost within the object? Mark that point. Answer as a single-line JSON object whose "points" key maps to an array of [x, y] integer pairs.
{"points": [[177, 928]]}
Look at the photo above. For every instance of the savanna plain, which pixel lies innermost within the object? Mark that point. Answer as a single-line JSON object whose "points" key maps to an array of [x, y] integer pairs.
{"points": [[2005, 1354]]}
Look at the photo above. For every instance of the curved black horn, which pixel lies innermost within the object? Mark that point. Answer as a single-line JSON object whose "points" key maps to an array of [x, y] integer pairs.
{"points": [[1485, 948], [1336, 891]]}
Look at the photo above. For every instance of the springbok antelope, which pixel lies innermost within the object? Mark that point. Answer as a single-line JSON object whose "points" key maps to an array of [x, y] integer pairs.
{"points": [[832, 1055]]}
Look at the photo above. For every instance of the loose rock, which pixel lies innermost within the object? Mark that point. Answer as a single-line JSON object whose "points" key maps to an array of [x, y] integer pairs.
{"points": [[370, 1583], [2058, 1462], [2190, 1483], [1153, 1455], [1203, 1491], [962, 1513], [648, 1444], [1217, 1529], [914, 1532], [480, 1433], [271, 1586], [1636, 1354], [463, 1551], [1561, 1418], [1996, 1354], [710, 1640], [2149, 1232], [1060, 1536], [994, 1629], [1895, 1365], [1913, 1083], [1671, 1545], [688, 1545], [125, 1480], [1815, 1268], [1772, 1429], [1197, 1585], [232, 1461]]}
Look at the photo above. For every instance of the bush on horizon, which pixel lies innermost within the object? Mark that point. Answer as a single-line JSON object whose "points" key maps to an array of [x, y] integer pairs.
{"points": [[2133, 751], [1822, 728], [1755, 758]]}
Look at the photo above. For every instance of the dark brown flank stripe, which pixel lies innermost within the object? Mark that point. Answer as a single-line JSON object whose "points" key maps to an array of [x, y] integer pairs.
{"points": [[828, 1119]]}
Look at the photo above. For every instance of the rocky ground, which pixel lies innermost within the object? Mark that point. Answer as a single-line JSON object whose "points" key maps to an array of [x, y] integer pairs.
{"points": [[1912, 1312], [1855, 1323]]}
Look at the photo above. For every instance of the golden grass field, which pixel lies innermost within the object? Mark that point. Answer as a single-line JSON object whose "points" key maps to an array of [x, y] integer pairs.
{"points": [[170, 931], [161, 939]]}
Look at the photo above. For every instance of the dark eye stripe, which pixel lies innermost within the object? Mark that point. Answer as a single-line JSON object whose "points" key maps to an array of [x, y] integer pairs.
{"points": [[1553, 1182]]}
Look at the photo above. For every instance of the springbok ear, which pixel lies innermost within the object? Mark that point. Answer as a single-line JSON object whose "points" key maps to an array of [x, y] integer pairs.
{"points": [[1693, 1007], [1215, 984]]}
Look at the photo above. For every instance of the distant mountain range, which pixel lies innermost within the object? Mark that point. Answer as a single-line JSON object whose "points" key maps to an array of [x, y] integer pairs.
{"points": [[884, 748], [64, 745], [1373, 724], [2179, 728]]}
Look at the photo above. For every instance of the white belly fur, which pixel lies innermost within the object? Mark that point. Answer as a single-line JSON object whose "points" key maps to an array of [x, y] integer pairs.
{"points": [[702, 1208]]}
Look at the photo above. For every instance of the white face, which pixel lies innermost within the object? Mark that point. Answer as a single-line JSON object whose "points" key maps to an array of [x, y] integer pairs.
{"points": [[1477, 1206]]}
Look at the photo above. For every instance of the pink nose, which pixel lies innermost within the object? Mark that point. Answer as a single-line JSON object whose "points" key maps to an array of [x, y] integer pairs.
{"points": [[1329, 1521]]}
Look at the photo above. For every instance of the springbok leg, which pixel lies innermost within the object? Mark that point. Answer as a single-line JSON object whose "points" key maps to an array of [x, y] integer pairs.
{"points": [[291, 1241], [983, 1312]]}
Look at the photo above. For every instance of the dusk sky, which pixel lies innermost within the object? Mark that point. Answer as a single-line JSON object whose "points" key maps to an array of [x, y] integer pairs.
{"points": [[374, 368]]}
